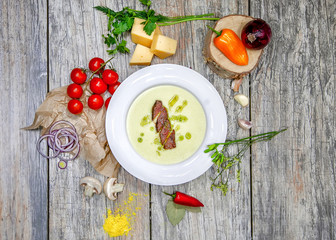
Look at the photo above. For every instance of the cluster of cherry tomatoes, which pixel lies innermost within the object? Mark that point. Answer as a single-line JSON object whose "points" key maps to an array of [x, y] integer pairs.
{"points": [[107, 80]]}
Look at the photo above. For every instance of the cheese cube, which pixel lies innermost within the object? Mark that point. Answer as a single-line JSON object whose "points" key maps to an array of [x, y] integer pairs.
{"points": [[139, 36], [163, 46], [142, 56]]}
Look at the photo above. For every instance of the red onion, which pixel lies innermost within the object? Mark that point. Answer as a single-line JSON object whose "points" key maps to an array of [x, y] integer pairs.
{"points": [[62, 164], [56, 153], [62, 122], [256, 34], [61, 141]]}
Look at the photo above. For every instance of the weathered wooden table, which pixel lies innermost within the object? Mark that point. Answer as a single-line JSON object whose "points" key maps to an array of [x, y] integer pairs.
{"points": [[287, 188]]}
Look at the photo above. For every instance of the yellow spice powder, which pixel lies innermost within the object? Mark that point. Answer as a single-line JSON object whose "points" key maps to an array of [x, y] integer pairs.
{"points": [[116, 224], [120, 222]]}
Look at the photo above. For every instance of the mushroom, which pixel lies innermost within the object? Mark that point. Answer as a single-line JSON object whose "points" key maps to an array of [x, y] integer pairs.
{"points": [[91, 186], [111, 188]]}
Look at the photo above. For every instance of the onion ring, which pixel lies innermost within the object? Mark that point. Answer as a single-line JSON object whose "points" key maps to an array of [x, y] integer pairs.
{"points": [[62, 140], [39, 150], [70, 146], [60, 122], [65, 164], [64, 132]]}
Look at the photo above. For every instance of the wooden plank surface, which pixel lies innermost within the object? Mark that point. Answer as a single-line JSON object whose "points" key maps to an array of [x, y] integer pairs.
{"points": [[75, 31], [287, 188], [222, 217], [293, 189], [23, 71]]}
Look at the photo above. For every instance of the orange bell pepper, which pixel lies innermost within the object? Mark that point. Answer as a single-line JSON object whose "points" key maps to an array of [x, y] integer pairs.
{"points": [[231, 46]]}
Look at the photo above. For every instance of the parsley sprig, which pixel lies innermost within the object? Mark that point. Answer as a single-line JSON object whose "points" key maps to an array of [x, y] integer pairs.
{"points": [[122, 21], [224, 161]]}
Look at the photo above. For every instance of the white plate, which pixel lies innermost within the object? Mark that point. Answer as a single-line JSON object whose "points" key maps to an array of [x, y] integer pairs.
{"points": [[135, 84]]}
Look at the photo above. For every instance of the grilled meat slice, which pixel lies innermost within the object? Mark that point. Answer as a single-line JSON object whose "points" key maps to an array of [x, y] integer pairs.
{"points": [[157, 108], [165, 132], [161, 119], [163, 126], [170, 141]]}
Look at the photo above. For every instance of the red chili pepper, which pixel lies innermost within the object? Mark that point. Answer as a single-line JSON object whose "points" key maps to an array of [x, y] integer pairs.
{"points": [[184, 199]]}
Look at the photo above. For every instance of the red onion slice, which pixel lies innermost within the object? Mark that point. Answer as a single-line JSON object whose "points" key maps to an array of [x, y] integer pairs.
{"points": [[56, 151], [62, 122], [62, 140], [62, 164], [67, 147], [64, 133]]}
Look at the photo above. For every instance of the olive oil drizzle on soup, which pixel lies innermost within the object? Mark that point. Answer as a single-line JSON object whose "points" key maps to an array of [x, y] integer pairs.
{"points": [[185, 114]]}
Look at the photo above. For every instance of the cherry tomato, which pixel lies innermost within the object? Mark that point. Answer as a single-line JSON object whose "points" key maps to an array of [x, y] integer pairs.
{"points": [[95, 101], [110, 77], [95, 64], [107, 102], [98, 86], [74, 90], [78, 76], [113, 88], [75, 106]]}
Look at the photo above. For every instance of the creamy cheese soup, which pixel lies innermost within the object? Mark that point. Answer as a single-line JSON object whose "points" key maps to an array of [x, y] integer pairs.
{"points": [[185, 114]]}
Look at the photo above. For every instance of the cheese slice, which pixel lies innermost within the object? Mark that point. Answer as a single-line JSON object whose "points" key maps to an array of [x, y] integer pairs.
{"points": [[163, 46], [139, 36], [142, 56]]}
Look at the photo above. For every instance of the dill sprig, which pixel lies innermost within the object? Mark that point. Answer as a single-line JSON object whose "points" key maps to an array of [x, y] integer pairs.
{"points": [[224, 161]]}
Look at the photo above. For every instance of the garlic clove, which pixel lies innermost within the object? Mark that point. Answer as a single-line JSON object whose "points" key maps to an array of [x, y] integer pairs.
{"points": [[236, 84], [241, 99], [244, 124]]}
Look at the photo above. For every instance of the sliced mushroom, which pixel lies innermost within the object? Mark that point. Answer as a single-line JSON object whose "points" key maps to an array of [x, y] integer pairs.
{"points": [[91, 186], [111, 188]]}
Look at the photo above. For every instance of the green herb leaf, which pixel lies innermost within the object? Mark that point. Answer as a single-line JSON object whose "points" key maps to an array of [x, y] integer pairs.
{"points": [[149, 27], [174, 214], [160, 18], [190, 209], [129, 22], [105, 10], [119, 27], [146, 2], [122, 47], [109, 40], [112, 51]]}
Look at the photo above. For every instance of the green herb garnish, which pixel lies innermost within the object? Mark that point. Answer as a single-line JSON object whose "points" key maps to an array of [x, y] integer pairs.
{"points": [[224, 161], [145, 120], [157, 141], [181, 107], [122, 21], [172, 101], [179, 118]]}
